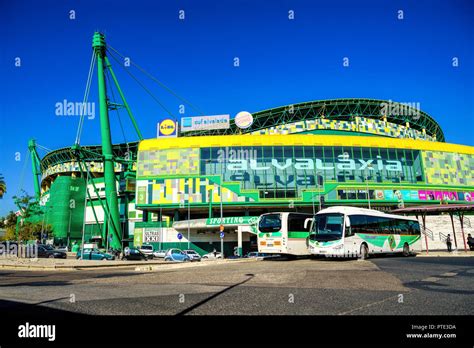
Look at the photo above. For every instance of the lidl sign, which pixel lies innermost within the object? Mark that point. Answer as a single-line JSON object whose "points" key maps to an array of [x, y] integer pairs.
{"points": [[167, 128]]}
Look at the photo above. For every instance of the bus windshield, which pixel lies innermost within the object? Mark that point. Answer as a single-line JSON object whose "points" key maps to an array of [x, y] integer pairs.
{"points": [[270, 223], [327, 227]]}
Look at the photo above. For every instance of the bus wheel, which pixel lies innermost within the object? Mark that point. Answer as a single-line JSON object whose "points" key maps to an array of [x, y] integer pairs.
{"points": [[406, 250], [364, 252]]}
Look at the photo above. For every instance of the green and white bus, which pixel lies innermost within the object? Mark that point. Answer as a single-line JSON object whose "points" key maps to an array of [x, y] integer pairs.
{"points": [[357, 232], [284, 233]]}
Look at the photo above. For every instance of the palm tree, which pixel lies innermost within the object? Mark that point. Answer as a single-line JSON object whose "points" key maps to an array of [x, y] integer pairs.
{"points": [[3, 185]]}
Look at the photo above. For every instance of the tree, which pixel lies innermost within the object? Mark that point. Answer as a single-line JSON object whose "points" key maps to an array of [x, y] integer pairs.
{"points": [[9, 224], [33, 231], [29, 228], [3, 186], [27, 204]]}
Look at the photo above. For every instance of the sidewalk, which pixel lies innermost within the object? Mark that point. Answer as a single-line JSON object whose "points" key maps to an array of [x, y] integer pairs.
{"points": [[41, 264], [445, 253]]}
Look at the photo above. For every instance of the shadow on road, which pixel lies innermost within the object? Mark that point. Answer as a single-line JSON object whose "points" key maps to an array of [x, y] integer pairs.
{"points": [[193, 307]]}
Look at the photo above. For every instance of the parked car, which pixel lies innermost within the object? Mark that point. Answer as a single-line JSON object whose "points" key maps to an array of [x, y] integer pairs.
{"points": [[147, 250], [94, 254], [48, 251], [176, 255], [159, 253], [136, 254], [193, 255], [255, 254], [62, 248], [217, 255]]}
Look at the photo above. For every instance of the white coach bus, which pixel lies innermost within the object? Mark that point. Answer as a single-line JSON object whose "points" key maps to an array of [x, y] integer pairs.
{"points": [[284, 233], [357, 232]]}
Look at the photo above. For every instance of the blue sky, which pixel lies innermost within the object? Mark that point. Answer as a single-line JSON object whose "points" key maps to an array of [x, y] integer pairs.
{"points": [[282, 61]]}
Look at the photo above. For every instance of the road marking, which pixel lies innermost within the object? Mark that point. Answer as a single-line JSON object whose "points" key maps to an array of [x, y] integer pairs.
{"points": [[369, 305], [431, 279], [449, 274]]}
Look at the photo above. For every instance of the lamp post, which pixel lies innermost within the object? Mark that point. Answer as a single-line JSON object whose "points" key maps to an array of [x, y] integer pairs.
{"points": [[85, 213], [69, 229], [222, 223], [369, 166], [189, 221], [161, 228], [189, 215], [401, 203]]}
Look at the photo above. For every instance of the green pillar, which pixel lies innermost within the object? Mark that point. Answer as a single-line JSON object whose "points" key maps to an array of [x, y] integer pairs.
{"points": [[98, 43], [34, 166]]}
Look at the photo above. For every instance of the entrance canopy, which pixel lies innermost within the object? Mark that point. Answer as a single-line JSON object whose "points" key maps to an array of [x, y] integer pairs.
{"points": [[214, 223], [436, 209], [451, 209]]}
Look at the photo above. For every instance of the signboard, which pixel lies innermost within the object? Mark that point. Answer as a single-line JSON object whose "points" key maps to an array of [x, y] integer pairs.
{"points": [[138, 237], [232, 220], [243, 119], [151, 235], [222, 234], [205, 122], [167, 128], [180, 236]]}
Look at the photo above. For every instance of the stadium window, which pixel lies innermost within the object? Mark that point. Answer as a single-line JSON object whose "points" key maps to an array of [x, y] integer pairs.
{"points": [[299, 153], [278, 153], [309, 152], [341, 194]]}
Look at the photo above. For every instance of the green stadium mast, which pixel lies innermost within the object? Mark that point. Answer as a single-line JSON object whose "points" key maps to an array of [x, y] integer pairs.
{"points": [[112, 219], [35, 165]]}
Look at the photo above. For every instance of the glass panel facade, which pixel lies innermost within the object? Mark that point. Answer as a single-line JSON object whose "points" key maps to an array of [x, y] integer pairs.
{"points": [[283, 171]]}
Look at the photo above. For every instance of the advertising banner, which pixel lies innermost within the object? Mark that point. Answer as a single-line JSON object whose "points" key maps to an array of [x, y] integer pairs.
{"points": [[205, 123], [151, 235], [167, 128]]}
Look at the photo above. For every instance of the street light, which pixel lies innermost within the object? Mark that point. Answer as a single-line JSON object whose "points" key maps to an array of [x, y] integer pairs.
{"points": [[222, 223], [319, 194], [369, 166], [189, 215], [85, 212]]}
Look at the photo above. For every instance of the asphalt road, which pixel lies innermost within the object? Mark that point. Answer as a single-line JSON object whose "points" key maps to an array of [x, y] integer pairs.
{"points": [[380, 286]]}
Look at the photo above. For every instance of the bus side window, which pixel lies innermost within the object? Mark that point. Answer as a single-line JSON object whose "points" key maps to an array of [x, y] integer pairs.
{"points": [[358, 224], [404, 227]]}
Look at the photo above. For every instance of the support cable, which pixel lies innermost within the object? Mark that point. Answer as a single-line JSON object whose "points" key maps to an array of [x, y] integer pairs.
{"points": [[115, 102], [161, 84], [146, 89], [86, 97]]}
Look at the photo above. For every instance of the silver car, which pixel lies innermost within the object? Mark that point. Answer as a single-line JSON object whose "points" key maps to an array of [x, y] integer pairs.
{"points": [[147, 250], [193, 255], [159, 253]]}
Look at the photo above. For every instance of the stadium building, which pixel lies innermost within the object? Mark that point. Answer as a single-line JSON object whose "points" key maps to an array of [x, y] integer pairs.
{"points": [[300, 157]]}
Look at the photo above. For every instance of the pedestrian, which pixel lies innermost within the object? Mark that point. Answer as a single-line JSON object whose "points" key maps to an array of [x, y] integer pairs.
{"points": [[214, 252], [470, 242], [448, 242]]}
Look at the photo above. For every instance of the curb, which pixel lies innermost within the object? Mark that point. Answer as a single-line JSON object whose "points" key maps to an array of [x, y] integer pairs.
{"points": [[135, 265]]}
